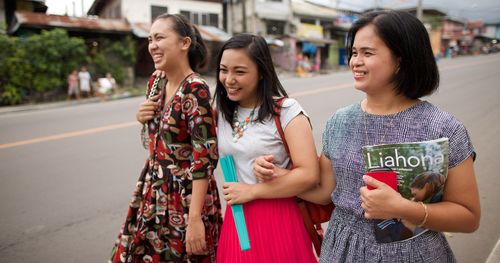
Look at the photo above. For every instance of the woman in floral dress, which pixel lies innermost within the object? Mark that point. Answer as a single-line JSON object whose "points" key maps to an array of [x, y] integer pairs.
{"points": [[175, 213]]}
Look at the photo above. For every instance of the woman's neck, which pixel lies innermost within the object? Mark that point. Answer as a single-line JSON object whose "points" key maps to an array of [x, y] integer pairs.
{"points": [[176, 76], [386, 105]]}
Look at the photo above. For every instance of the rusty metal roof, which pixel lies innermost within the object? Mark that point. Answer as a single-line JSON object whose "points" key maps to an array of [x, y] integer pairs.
{"points": [[141, 30], [472, 24], [68, 22], [208, 33]]}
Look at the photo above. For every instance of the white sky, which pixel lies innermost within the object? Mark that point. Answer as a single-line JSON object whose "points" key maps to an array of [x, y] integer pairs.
{"points": [[488, 10], [60, 7]]}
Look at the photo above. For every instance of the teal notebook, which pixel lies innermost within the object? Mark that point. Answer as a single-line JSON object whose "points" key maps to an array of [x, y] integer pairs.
{"points": [[227, 164]]}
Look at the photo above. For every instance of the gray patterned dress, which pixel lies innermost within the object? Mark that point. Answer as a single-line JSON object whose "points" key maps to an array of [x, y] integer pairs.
{"points": [[349, 237]]}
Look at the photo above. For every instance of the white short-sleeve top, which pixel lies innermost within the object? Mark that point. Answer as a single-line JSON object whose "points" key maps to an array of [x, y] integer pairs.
{"points": [[257, 140]]}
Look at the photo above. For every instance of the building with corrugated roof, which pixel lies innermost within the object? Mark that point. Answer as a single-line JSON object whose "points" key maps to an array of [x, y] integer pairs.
{"points": [[207, 15]]}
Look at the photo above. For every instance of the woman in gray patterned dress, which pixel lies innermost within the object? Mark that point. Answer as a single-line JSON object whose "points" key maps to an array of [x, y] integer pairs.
{"points": [[392, 62]]}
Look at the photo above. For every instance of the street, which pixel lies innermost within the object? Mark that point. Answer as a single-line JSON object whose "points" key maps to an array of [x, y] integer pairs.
{"points": [[67, 173]]}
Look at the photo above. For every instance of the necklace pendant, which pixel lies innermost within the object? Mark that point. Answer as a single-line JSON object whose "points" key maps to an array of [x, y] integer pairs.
{"points": [[235, 139]]}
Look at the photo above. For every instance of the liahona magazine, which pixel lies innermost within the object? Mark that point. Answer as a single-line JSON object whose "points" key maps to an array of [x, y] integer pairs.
{"points": [[421, 169]]}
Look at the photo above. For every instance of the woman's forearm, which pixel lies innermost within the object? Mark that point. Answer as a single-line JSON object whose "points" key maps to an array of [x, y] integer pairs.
{"points": [[288, 183], [199, 192]]}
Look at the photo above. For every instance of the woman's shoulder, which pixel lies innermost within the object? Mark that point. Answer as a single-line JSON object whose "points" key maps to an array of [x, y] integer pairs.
{"points": [[195, 84], [345, 113], [436, 116], [342, 118], [290, 103], [195, 80]]}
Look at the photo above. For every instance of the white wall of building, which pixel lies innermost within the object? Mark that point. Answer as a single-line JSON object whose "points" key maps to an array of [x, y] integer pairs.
{"points": [[490, 31], [140, 11]]}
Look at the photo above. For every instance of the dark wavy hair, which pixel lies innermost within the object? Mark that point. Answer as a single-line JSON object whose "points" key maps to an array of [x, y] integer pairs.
{"points": [[408, 40], [269, 85], [197, 53], [434, 180]]}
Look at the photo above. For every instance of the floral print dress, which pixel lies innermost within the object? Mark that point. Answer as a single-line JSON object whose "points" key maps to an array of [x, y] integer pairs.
{"points": [[185, 149]]}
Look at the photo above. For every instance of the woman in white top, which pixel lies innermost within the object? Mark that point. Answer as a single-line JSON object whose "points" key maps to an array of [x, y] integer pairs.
{"points": [[246, 94]]}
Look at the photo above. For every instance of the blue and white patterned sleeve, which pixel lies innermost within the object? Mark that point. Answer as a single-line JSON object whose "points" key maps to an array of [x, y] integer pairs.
{"points": [[460, 145]]}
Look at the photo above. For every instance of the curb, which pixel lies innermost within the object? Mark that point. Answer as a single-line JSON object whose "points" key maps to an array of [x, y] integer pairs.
{"points": [[60, 104], [495, 254]]}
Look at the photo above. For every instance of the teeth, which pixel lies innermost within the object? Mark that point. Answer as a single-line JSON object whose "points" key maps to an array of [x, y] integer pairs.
{"points": [[359, 73]]}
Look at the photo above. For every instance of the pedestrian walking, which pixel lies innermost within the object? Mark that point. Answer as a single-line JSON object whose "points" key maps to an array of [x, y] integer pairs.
{"points": [[392, 63], [72, 81], [107, 86], [175, 213], [246, 96], [85, 81]]}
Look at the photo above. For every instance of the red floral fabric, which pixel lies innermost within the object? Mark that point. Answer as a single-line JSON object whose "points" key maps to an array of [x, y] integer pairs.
{"points": [[155, 227]]}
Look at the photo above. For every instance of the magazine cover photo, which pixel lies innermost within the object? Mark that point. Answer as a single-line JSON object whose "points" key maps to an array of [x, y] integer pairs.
{"points": [[417, 170]]}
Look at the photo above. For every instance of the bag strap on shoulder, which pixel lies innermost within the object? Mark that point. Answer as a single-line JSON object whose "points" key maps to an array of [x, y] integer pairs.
{"points": [[277, 120], [314, 231]]}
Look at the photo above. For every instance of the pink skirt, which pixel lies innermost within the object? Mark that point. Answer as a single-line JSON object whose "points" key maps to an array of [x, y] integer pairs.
{"points": [[276, 232]]}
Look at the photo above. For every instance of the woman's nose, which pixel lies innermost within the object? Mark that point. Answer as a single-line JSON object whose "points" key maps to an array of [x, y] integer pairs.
{"points": [[356, 61], [152, 45], [230, 78]]}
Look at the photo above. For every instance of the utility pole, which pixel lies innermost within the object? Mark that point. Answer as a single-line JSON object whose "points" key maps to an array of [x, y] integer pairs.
{"points": [[419, 10], [244, 14], [83, 9]]}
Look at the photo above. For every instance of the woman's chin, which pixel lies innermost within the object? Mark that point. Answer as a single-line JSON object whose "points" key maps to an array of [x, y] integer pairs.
{"points": [[160, 66]]}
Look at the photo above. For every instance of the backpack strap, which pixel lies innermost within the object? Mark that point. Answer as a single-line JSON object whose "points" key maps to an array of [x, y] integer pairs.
{"points": [[277, 120], [314, 231]]}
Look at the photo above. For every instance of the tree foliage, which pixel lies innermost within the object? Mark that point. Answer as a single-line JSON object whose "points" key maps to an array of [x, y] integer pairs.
{"points": [[114, 57], [36, 66]]}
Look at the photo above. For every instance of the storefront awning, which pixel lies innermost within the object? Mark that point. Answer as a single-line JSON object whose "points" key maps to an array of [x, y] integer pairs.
{"points": [[303, 8]]}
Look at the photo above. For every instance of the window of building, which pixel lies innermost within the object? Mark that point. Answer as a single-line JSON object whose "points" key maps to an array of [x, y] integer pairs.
{"points": [[187, 14], [205, 19], [213, 20], [307, 21], [157, 10], [274, 27]]}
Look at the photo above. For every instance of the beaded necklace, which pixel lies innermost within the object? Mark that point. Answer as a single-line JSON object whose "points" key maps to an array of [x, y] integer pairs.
{"points": [[239, 127]]}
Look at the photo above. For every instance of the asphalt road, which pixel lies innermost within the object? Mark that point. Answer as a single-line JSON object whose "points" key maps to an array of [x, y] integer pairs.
{"points": [[67, 173]]}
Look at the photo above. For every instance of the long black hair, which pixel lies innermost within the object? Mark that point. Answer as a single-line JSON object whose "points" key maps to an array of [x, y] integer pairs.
{"points": [[268, 86], [197, 53], [409, 42]]}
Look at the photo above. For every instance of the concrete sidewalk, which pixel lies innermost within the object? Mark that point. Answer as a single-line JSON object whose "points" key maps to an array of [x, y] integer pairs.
{"points": [[59, 104]]}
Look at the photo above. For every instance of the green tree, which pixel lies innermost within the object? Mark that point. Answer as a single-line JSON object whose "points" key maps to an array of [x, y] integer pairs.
{"points": [[36, 67], [39, 64], [114, 57], [53, 55], [15, 71]]}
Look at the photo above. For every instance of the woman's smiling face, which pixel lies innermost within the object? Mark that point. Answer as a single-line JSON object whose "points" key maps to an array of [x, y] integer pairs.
{"points": [[372, 62], [165, 45], [240, 77]]}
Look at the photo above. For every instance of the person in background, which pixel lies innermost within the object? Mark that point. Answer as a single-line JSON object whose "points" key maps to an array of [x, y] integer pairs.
{"points": [[392, 62], [107, 86], [85, 82], [72, 81], [175, 213], [246, 96]]}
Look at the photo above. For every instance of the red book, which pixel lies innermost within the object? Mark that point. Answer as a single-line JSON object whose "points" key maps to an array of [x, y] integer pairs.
{"points": [[387, 177]]}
